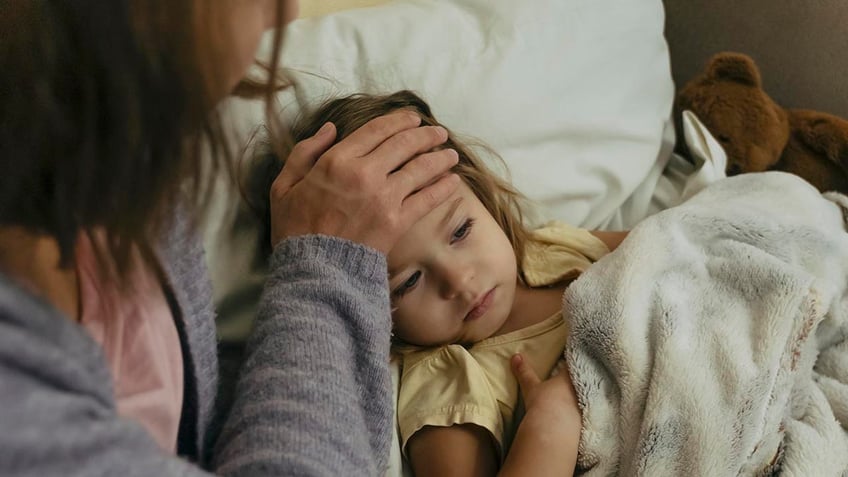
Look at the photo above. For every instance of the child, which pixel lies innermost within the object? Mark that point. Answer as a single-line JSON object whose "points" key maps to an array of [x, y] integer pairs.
{"points": [[470, 288]]}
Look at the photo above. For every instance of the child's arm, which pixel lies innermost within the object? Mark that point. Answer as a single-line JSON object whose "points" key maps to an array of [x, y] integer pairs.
{"points": [[611, 239], [545, 444], [547, 438], [459, 450]]}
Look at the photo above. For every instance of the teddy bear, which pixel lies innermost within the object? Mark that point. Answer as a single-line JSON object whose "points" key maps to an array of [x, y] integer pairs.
{"points": [[757, 134]]}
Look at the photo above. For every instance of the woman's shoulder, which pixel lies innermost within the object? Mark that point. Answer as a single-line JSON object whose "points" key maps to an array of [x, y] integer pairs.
{"points": [[35, 335], [559, 251]]}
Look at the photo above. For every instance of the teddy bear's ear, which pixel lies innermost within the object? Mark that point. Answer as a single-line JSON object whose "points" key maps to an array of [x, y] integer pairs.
{"points": [[734, 67]]}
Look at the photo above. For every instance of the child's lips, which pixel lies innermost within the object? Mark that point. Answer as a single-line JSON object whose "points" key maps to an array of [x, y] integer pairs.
{"points": [[481, 306]]}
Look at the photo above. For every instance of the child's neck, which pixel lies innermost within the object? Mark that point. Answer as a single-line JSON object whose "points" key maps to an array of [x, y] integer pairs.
{"points": [[533, 305]]}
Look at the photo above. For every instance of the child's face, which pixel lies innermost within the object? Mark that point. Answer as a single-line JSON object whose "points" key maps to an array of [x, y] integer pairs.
{"points": [[452, 277]]}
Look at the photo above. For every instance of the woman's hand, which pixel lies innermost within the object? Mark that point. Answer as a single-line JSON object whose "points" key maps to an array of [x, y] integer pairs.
{"points": [[369, 188], [548, 436]]}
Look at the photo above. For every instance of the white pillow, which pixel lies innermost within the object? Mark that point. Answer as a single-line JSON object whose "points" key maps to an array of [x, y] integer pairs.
{"points": [[574, 94]]}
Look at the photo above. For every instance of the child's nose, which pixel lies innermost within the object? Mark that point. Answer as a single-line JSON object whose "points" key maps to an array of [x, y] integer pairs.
{"points": [[456, 280]]}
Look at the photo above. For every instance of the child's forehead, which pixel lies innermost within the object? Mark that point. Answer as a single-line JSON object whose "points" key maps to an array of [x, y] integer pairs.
{"points": [[426, 232], [422, 233]]}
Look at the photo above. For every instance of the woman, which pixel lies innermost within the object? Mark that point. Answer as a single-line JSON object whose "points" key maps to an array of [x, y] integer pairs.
{"points": [[107, 340]]}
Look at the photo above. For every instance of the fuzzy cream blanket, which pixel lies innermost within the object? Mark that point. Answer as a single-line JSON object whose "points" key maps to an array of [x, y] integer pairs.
{"points": [[714, 341]]}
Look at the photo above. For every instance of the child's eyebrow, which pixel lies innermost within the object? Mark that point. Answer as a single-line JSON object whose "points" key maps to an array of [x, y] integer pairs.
{"points": [[451, 212], [445, 222]]}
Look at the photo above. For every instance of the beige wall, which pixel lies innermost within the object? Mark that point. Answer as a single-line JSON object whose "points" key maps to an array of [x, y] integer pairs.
{"points": [[800, 46], [309, 8]]}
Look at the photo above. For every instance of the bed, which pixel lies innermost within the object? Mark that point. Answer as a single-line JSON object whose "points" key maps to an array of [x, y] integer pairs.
{"points": [[575, 95]]}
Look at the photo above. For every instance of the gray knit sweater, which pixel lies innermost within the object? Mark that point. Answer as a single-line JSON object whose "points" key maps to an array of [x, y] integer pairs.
{"points": [[313, 399]]}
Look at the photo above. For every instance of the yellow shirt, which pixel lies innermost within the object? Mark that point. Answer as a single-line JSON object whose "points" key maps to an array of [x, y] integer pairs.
{"points": [[453, 384]]}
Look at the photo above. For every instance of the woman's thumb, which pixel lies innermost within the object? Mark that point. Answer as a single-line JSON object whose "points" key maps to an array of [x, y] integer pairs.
{"points": [[527, 378], [303, 157]]}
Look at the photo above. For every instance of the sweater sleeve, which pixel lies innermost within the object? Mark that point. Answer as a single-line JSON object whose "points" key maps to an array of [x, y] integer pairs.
{"points": [[314, 396]]}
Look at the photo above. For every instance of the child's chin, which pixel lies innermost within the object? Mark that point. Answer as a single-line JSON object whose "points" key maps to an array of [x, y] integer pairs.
{"points": [[488, 327]]}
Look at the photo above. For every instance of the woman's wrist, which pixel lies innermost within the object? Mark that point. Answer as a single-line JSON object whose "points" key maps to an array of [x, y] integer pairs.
{"points": [[316, 252]]}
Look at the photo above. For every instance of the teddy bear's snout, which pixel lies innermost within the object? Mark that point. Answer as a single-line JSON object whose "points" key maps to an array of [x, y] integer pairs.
{"points": [[750, 159], [734, 169]]}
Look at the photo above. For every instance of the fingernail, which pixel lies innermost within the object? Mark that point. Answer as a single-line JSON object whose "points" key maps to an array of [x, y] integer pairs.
{"points": [[325, 129], [415, 117]]}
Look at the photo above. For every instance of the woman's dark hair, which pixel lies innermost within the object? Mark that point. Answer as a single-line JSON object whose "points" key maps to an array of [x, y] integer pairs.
{"points": [[352, 112], [106, 116]]}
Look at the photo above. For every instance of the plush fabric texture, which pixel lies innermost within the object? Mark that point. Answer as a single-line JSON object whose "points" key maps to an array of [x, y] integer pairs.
{"points": [[758, 134], [314, 397], [714, 340]]}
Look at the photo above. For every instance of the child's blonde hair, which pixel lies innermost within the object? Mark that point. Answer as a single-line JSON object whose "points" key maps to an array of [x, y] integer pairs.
{"points": [[352, 112]]}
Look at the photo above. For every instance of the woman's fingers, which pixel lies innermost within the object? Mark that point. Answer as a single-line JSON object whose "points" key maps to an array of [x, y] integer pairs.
{"points": [[303, 157], [422, 170], [374, 133], [421, 202], [400, 148], [369, 188], [423, 183]]}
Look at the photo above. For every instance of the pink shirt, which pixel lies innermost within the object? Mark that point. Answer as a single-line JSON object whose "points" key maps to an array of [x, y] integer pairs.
{"points": [[139, 338]]}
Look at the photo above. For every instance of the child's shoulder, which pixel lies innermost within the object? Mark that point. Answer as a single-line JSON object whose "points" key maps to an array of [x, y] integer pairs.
{"points": [[434, 358], [559, 251]]}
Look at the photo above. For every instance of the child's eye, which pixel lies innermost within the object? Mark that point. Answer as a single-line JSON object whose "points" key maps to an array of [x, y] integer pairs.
{"points": [[406, 286], [462, 231]]}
